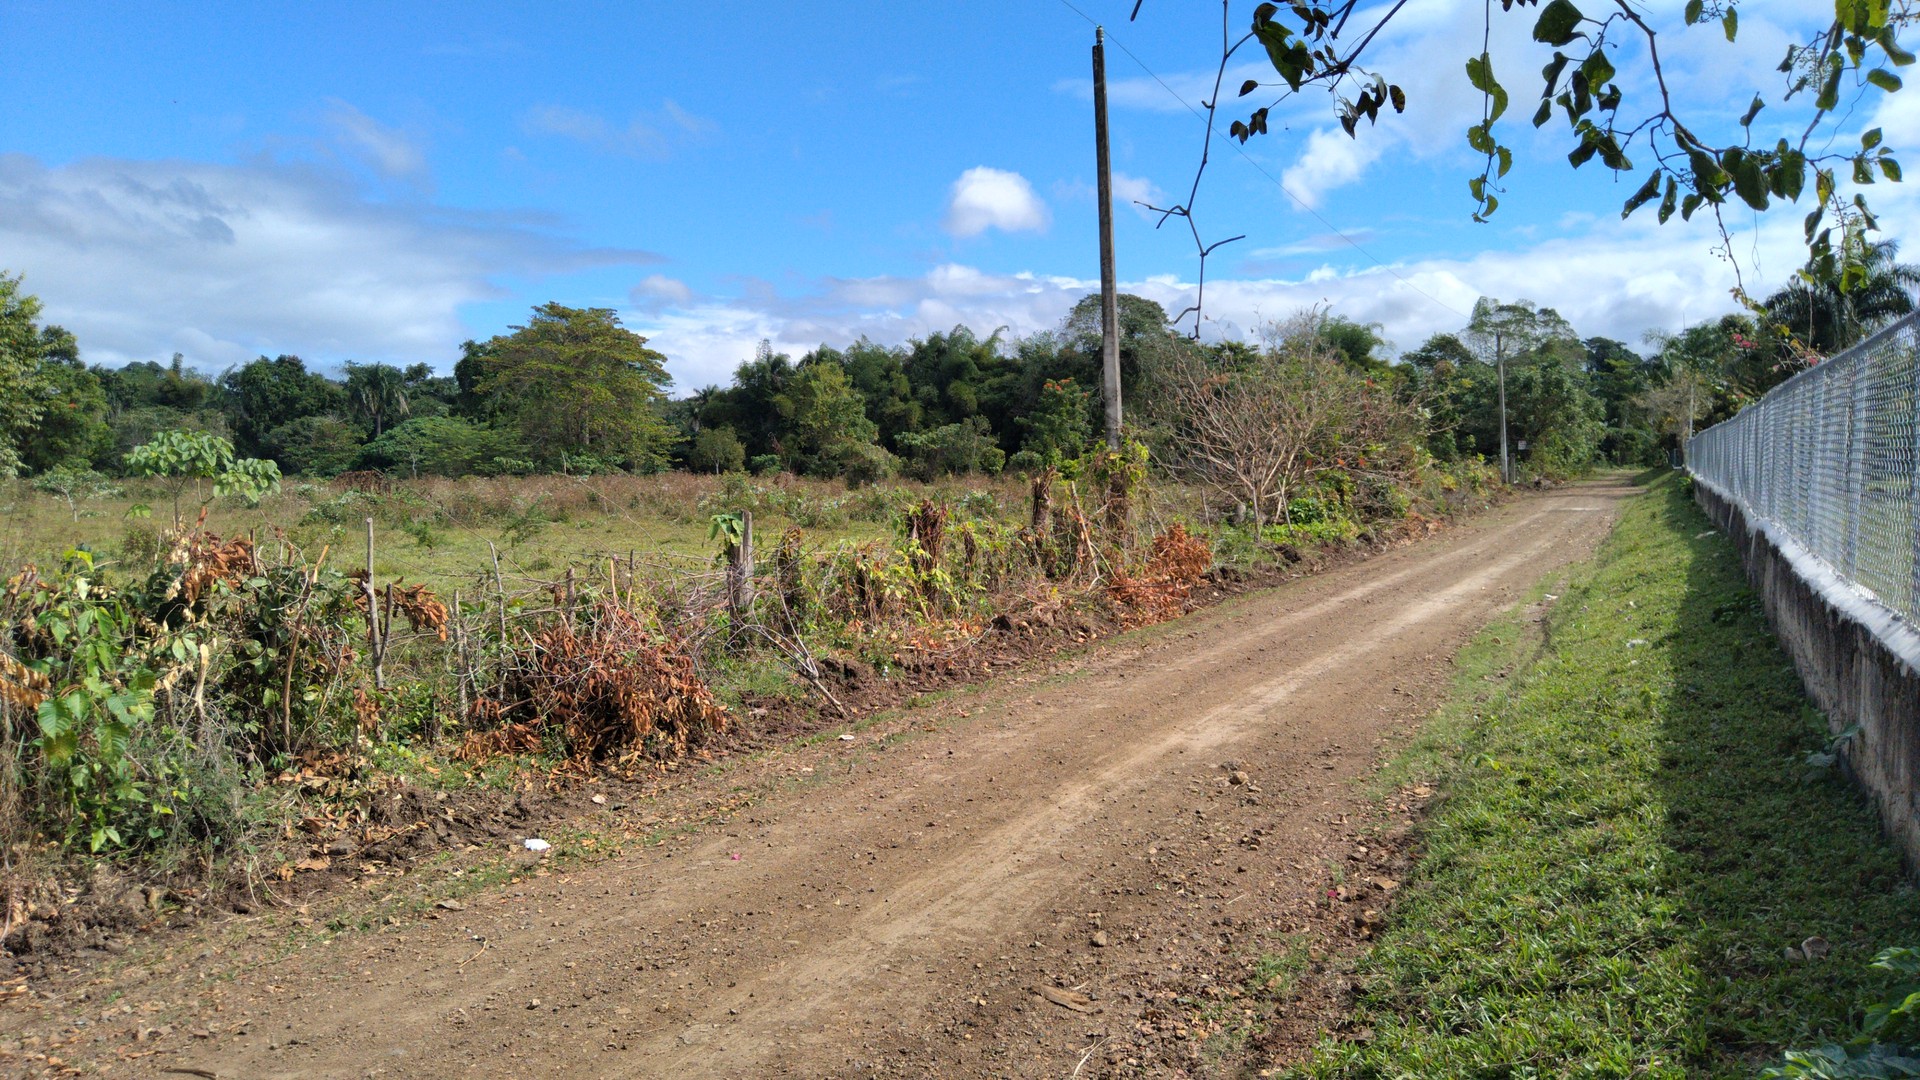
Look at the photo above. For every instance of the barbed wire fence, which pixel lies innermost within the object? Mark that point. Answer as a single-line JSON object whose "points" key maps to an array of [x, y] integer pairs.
{"points": [[1830, 460]]}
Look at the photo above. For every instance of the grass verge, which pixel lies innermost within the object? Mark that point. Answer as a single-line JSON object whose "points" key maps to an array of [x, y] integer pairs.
{"points": [[1629, 843]]}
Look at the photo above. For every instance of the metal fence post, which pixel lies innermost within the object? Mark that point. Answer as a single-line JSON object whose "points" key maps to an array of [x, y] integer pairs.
{"points": [[1856, 467]]}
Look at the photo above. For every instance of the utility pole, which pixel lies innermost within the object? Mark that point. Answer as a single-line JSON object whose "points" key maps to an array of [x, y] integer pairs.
{"points": [[1109, 298], [1500, 362]]}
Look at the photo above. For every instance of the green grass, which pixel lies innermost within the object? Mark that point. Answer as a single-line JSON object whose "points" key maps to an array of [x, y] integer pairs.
{"points": [[1628, 843]]}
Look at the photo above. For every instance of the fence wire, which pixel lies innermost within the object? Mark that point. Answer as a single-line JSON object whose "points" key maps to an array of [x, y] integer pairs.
{"points": [[1831, 458]]}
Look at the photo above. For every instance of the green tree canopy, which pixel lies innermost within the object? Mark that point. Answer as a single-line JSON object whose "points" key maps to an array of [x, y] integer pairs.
{"points": [[264, 394], [377, 395], [575, 382]]}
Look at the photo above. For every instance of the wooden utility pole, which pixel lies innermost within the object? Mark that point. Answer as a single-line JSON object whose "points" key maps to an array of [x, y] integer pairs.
{"points": [[1109, 298], [1500, 362], [376, 637]]}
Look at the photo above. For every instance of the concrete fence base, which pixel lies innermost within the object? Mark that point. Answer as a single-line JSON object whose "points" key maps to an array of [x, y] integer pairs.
{"points": [[1858, 666]]}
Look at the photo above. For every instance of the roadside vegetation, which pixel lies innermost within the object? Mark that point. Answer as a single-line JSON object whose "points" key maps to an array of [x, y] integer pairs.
{"points": [[219, 675], [232, 604], [1643, 862]]}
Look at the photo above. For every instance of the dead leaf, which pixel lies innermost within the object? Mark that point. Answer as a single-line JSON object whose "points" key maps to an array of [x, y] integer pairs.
{"points": [[451, 905], [1066, 999], [320, 863]]}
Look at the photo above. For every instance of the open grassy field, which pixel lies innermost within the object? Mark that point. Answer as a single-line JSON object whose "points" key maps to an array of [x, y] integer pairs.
{"points": [[437, 532]]}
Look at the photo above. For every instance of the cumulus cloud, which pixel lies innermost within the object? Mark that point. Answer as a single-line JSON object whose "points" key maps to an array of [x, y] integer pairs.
{"points": [[391, 152], [223, 263], [1329, 160], [1137, 192], [659, 290], [985, 198], [653, 136], [1617, 280]]}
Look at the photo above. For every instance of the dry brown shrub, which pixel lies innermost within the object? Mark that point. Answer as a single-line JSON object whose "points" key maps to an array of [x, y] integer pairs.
{"points": [[204, 560], [614, 690], [422, 610], [371, 481], [1175, 563]]}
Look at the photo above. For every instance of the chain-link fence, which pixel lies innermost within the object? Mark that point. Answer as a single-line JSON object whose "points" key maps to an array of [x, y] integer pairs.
{"points": [[1831, 459]]}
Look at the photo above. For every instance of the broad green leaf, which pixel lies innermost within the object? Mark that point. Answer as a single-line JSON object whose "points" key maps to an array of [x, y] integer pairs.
{"points": [[1750, 183], [1871, 139], [1557, 23], [1890, 169], [1730, 22], [1643, 196], [1753, 110], [1667, 200], [1598, 69], [1884, 79]]}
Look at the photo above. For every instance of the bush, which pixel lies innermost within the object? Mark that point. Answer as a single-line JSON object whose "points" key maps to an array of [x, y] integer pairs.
{"points": [[446, 446], [863, 464], [717, 450], [1026, 462], [953, 449], [763, 464]]}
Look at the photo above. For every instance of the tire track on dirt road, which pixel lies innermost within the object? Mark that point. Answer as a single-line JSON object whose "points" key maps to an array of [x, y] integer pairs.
{"points": [[840, 927]]}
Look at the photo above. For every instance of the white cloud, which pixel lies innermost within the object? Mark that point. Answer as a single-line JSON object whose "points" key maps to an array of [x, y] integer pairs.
{"points": [[1330, 160], [985, 198], [654, 136], [1138, 193], [223, 263], [659, 290], [392, 152], [1616, 280]]}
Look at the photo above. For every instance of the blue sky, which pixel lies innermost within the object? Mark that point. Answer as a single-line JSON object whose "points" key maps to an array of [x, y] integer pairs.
{"points": [[381, 181]]}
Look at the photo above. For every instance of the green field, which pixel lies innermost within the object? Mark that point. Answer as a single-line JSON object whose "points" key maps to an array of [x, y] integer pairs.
{"points": [[438, 532]]}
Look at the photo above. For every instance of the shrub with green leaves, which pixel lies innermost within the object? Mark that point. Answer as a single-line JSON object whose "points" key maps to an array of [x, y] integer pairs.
{"points": [[180, 458]]}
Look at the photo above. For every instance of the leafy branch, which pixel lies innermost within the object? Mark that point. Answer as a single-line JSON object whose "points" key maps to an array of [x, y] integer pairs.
{"points": [[1310, 44]]}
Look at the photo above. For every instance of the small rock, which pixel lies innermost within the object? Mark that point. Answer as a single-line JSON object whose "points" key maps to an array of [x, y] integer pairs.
{"points": [[1238, 776], [450, 905], [340, 847], [1815, 948], [1100, 939], [600, 800], [534, 1004]]}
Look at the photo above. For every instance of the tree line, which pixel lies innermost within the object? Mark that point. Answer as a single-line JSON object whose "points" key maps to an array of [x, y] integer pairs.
{"points": [[572, 390]]}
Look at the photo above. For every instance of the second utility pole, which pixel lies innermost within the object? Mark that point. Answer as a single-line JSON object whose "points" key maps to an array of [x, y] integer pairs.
{"points": [[1109, 298]]}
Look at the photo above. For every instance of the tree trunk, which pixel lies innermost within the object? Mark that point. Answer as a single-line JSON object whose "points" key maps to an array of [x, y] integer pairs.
{"points": [[740, 572]]}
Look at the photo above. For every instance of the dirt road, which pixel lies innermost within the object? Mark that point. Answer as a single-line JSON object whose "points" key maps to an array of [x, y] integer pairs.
{"points": [[1108, 836]]}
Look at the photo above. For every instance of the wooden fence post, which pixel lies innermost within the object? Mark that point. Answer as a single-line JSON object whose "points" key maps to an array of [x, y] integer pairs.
{"points": [[740, 572]]}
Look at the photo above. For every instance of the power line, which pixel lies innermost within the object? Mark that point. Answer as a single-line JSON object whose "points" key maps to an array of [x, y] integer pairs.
{"points": [[1262, 170]]}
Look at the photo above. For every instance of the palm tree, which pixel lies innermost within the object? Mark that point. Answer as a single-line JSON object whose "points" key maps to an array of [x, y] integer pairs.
{"points": [[1826, 320], [378, 393]]}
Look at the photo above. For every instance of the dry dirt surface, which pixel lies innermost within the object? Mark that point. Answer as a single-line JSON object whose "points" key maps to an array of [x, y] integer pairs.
{"points": [[1062, 873]]}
